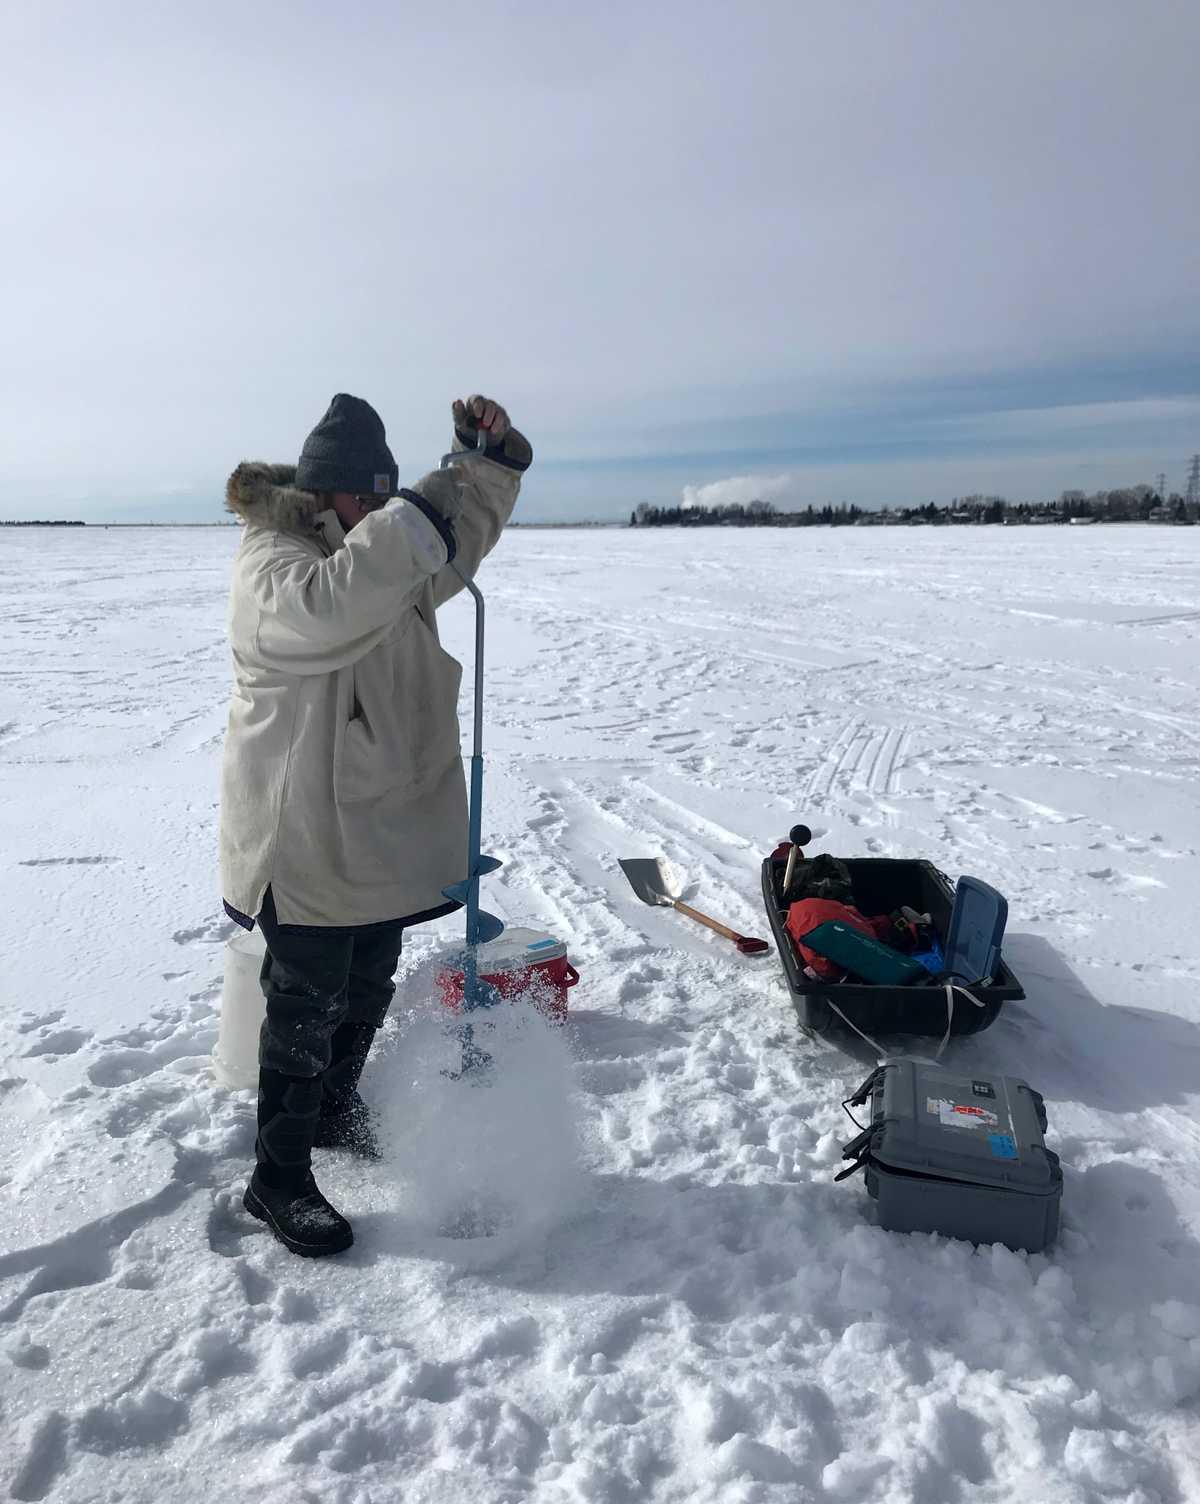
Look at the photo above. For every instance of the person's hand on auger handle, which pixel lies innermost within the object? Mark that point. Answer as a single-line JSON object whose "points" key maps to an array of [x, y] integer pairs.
{"points": [[473, 413]]}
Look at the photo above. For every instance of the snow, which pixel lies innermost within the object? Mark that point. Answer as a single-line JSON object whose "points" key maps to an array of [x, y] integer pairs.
{"points": [[678, 1303]]}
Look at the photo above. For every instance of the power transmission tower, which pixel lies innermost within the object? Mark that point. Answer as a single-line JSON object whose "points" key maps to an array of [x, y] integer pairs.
{"points": [[1193, 490], [1162, 487]]}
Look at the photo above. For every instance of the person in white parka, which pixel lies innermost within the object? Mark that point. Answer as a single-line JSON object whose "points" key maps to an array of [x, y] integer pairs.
{"points": [[343, 799]]}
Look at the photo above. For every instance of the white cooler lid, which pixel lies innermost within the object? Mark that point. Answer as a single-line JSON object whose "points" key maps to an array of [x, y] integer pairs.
{"points": [[517, 948]]}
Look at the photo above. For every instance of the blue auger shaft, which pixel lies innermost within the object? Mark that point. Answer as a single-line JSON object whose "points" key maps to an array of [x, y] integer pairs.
{"points": [[479, 927], [475, 817]]}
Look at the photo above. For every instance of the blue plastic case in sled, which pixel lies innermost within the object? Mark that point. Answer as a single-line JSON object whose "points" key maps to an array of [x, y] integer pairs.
{"points": [[976, 931]]}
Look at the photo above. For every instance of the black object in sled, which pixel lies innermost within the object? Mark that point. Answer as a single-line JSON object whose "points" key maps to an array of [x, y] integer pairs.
{"points": [[959, 1155], [882, 885]]}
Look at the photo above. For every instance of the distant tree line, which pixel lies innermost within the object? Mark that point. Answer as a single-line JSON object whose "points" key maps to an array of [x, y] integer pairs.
{"points": [[39, 522], [1127, 504]]}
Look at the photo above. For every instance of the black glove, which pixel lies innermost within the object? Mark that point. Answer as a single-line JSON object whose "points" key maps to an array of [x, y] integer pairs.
{"points": [[474, 413], [505, 444]]}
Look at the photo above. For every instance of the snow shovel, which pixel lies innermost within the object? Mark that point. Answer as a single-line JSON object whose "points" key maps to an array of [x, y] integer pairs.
{"points": [[481, 926], [656, 883]]}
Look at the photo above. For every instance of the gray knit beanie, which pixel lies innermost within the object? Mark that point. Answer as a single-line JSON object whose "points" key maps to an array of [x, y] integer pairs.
{"points": [[347, 451]]}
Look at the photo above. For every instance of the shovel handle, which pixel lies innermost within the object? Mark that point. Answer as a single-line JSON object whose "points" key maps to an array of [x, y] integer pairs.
{"points": [[712, 924]]}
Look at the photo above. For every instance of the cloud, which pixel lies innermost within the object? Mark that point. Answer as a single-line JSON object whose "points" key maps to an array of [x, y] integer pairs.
{"points": [[1079, 417], [687, 217], [737, 490]]}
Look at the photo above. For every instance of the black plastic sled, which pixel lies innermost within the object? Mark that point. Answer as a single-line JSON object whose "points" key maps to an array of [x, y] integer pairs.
{"points": [[882, 885]]}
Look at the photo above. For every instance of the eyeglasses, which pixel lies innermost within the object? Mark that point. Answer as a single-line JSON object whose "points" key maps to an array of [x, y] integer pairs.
{"points": [[371, 503]]}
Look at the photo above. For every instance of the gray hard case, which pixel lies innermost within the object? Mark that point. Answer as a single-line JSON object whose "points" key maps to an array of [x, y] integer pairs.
{"points": [[958, 1155]]}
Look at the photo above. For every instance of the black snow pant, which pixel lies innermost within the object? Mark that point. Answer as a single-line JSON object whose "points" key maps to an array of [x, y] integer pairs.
{"points": [[321, 982]]}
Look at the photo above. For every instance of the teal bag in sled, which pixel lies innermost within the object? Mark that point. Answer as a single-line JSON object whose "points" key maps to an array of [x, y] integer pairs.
{"points": [[863, 956]]}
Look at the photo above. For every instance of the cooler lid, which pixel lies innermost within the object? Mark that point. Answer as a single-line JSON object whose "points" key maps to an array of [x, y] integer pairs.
{"points": [[976, 929], [518, 948], [979, 1129]]}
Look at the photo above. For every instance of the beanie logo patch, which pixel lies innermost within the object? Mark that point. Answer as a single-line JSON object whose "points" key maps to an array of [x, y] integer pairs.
{"points": [[383, 485]]}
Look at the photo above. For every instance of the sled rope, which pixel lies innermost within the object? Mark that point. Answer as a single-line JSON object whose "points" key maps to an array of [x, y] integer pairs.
{"points": [[951, 989], [878, 1048]]}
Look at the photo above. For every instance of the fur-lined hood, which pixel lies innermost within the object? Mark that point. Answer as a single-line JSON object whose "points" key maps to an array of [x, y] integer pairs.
{"points": [[267, 496]]}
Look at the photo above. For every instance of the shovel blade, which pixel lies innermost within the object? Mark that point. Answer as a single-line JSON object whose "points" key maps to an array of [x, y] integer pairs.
{"points": [[654, 880]]}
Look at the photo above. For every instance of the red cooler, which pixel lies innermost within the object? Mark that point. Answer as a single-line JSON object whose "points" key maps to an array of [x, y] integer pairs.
{"points": [[521, 963]]}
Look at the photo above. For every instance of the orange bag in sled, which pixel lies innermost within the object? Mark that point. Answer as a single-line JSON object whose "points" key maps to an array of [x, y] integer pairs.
{"points": [[805, 916]]}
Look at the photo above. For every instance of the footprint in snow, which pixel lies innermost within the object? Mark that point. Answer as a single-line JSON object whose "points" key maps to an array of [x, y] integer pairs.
{"points": [[137, 1277], [142, 1419], [321, 1355], [214, 932], [256, 1287], [142, 1036], [59, 1042], [23, 1352], [44, 1455], [39, 1021], [149, 1049], [120, 1067], [228, 1225], [640, 982], [207, 1357], [142, 1110], [439, 1383]]}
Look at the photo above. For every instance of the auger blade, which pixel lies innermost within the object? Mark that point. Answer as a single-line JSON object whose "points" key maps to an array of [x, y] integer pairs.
{"points": [[489, 927], [459, 892], [476, 1062]]}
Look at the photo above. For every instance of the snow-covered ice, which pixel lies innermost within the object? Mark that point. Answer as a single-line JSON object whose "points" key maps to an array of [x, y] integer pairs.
{"points": [[680, 1305]]}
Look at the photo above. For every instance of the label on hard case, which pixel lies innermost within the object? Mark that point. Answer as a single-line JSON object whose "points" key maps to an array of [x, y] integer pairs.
{"points": [[960, 1114]]}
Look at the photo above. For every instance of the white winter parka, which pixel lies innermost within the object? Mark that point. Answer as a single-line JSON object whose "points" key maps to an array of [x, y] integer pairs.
{"points": [[342, 784]]}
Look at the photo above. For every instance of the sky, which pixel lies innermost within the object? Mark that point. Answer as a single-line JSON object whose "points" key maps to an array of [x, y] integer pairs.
{"points": [[887, 252]]}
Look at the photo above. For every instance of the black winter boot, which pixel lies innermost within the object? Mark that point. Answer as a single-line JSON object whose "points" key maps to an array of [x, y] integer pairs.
{"points": [[282, 1192], [345, 1119]]}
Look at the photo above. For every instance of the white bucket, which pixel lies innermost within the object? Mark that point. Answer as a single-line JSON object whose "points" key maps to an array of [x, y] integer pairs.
{"points": [[243, 1007]]}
